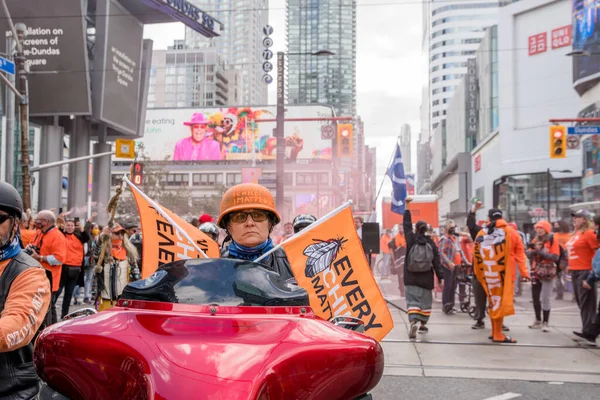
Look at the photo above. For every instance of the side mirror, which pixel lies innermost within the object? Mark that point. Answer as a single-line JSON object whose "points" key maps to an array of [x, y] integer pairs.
{"points": [[351, 323], [84, 312]]}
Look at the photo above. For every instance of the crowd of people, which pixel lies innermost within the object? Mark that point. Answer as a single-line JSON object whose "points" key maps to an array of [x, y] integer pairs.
{"points": [[491, 262]]}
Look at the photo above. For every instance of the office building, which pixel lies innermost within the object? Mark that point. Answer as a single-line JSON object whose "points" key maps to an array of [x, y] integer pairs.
{"points": [[405, 147]]}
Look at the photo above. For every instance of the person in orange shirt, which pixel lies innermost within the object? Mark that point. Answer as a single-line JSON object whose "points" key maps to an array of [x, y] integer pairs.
{"points": [[27, 229], [581, 247], [75, 238], [385, 252], [24, 302], [49, 249]]}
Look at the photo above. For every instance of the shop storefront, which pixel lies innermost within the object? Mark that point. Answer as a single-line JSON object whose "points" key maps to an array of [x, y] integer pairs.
{"points": [[524, 198]]}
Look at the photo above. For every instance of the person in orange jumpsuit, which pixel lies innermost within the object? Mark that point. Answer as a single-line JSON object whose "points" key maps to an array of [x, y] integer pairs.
{"points": [[497, 249]]}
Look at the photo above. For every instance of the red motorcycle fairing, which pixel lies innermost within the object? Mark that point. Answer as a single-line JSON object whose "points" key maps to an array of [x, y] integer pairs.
{"points": [[151, 350]]}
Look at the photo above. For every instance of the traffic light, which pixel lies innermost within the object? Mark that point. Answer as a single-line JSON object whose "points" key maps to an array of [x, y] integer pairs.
{"points": [[558, 141], [344, 140], [137, 173]]}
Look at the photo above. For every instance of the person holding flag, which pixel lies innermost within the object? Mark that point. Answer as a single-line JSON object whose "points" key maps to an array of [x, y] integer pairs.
{"points": [[248, 216]]}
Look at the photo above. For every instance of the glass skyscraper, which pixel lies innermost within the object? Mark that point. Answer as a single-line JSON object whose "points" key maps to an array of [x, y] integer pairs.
{"points": [[314, 25]]}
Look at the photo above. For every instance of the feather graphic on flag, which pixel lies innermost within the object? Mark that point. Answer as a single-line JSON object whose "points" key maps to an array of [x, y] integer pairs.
{"points": [[396, 174]]}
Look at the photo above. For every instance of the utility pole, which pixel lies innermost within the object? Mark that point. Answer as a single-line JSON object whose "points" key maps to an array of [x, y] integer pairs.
{"points": [[10, 119], [21, 80], [19, 32], [279, 133]]}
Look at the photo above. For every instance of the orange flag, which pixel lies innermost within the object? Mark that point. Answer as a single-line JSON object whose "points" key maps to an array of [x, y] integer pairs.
{"points": [[163, 243], [328, 261]]}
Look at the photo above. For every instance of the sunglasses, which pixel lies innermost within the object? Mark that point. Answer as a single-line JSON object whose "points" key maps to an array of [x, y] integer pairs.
{"points": [[4, 218], [239, 217]]}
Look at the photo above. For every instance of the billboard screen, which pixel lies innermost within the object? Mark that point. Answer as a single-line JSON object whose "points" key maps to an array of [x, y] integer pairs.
{"points": [[212, 134], [586, 37], [119, 38], [55, 49]]}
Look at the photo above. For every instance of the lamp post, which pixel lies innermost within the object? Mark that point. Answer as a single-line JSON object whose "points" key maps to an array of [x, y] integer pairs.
{"points": [[280, 121], [549, 176]]}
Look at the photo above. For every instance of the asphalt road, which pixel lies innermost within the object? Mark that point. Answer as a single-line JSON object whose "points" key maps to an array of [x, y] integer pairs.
{"points": [[421, 388]]}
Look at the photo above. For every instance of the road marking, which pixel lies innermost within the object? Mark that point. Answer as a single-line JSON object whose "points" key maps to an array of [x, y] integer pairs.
{"points": [[505, 396]]}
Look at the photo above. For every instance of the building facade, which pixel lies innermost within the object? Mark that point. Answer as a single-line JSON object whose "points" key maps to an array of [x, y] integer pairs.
{"points": [[184, 77], [314, 26], [406, 147], [240, 43], [494, 142]]}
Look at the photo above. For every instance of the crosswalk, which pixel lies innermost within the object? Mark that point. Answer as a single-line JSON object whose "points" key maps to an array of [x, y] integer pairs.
{"points": [[505, 396]]}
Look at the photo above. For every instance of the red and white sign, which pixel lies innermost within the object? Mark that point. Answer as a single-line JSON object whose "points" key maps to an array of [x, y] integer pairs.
{"points": [[537, 43], [478, 163], [561, 37]]}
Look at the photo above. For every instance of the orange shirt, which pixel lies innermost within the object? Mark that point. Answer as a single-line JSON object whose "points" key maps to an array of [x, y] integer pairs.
{"points": [[562, 238], [25, 308], [27, 236], [582, 247], [383, 244], [74, 256], [52, 243], [467, 248], [400, 240], [550, 248]]}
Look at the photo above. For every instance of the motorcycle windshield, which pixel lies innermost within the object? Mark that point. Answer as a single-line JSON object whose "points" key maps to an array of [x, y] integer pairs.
{"points": [[224, 282]]}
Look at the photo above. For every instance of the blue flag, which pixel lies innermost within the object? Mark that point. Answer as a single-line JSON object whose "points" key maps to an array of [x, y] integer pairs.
{"points": [[396, 174]]}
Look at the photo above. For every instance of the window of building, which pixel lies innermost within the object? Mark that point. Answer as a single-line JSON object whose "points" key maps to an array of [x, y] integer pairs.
{"points": [[234, 179], [178, 179], [211, 179]]}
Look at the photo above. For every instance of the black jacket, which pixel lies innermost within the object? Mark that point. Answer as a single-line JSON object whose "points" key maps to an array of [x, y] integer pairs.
{"points": [[421, 279], [474, 229], [276, 262]]}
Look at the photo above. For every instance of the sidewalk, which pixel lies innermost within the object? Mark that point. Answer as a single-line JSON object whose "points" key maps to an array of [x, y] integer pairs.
{"points": [[453, 349]]}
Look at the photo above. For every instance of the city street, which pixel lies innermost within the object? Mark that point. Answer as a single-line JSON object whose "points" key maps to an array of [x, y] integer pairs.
{"points": [[454, 361]]}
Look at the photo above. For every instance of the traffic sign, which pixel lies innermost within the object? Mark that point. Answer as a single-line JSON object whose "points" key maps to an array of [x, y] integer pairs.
{"points": [[125, 148], [7, 66], [573, 142], [584, 130], [268, 79], [267, 67], [267, 42], [327, 132]]}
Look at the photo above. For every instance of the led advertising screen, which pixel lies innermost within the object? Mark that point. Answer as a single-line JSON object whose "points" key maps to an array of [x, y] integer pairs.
{"points": [[213, 134], [55, 50], [586, 38], [118, 55]]}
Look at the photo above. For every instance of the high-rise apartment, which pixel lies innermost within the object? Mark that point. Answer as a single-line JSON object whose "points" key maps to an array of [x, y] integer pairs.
{"points": [[452, 31], [240, 44], [313, 26], [183, 77]]}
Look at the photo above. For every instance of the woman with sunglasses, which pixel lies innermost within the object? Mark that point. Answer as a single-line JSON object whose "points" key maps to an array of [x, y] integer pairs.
{"points": [[248, 216]]}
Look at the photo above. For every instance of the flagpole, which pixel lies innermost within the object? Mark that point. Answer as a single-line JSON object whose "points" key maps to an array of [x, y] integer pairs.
{"points": [[308, 228], [386, 170], [166, 216]]}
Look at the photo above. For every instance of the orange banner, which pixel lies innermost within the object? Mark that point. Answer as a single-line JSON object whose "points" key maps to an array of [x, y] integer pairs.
{"points": [[493, 270], [328, 261], [163, 243]]}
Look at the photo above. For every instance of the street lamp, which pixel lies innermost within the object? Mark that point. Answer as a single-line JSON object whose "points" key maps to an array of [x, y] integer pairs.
{"points": [[280, 121], [549, 175]]}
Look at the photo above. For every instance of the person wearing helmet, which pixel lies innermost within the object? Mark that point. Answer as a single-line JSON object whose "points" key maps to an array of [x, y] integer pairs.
{"points": [[248, 216], [211, 229], [24, 301], [302, 221]]}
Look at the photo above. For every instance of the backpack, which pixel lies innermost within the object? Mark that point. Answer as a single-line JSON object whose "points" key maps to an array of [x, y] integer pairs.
{"points": [[420, 258]]}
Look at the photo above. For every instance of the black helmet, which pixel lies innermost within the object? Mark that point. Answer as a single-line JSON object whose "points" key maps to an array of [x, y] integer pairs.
{"points": [[10, 200], [302, 221]]}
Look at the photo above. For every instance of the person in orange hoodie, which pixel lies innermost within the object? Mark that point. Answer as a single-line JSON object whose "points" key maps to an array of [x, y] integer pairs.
{"points": [[544, 255], [49, 249], [497, 250], [581, 247]]}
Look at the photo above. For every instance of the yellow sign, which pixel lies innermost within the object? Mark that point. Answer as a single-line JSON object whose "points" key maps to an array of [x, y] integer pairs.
{"points": [[558, 141], [125, 148]]}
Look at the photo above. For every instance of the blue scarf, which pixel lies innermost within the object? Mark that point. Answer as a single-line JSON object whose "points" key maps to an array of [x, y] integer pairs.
{"points": [[11, 250], [240, 252]]}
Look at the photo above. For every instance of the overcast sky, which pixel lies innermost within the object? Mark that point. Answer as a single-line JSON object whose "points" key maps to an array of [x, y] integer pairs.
{"points": [[389, 69]]}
